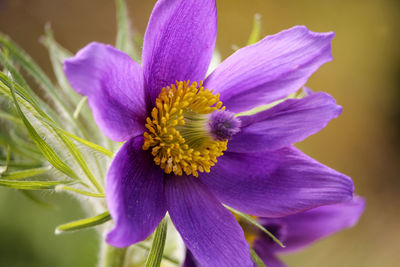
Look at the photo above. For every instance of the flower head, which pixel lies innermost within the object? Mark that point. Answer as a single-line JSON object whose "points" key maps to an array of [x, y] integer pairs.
{"points": [[187, 150]]}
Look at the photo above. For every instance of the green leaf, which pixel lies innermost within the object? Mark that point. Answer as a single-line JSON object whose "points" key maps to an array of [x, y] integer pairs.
{"points": [[90, 144], [22, 174], [37, 103], [70, 145], [30, 185], [256, 31], [27, 95], [23, 91], [256, 258], [57, 56], [49, 153], [22, 164], [25, 61], [124, 37], [16, 74], [82, 141], [45, 148], [255, 223], [81, 161], [34, 70], [157, 248], [37, 73], [60, 188], [85, 223], [165, 257]]}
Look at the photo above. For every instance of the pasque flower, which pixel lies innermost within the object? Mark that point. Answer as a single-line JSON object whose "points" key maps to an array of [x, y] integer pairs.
{"points": [[298, 231], [186, 151]]}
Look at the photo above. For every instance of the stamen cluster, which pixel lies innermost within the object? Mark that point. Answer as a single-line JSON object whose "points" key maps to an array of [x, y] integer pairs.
{"points": [[177, 129]]}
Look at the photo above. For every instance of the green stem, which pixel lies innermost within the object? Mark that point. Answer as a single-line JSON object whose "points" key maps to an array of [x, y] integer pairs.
{"points": [[157, 248], [112, 256]]}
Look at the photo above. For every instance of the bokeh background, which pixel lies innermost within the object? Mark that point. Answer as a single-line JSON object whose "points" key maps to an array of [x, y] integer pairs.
{"points": [[364, 142]]}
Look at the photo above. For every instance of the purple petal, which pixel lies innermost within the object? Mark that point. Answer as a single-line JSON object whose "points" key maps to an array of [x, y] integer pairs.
{"points": [[305, 228], [178, 43], [134, 194], [267, 256], [190, 260], [271, 69], [113, 83], [275, 184], [307, 91], [210, 231], [286, 123]]}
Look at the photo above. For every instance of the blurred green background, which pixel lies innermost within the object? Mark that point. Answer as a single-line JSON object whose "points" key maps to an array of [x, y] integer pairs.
{"points": [[363, 142]]}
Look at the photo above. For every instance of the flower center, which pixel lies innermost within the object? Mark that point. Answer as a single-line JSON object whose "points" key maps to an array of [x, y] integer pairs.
{"points": [[188, 129]]}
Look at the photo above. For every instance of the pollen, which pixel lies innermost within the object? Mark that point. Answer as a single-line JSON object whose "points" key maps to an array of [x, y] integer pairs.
{"points": [[178, 134]]}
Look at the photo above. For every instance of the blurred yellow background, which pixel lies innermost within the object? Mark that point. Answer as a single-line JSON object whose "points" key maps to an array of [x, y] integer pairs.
{"points": [[364, 142]]}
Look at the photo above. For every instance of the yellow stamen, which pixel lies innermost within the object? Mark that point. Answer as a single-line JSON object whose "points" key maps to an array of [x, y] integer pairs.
{"points": [[177, 129]]}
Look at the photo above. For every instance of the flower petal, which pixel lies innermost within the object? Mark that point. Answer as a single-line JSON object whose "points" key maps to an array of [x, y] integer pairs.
{"points": [[210, 231], [275, 184], [113, 83], [305, 228], [267, 256], [286, 123], [271, 69], [190, 260], [134, 194], [178, 43]]}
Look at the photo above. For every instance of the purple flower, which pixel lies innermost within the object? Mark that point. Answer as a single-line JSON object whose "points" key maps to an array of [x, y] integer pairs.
{"points": [[176, 130], [299, 230]]}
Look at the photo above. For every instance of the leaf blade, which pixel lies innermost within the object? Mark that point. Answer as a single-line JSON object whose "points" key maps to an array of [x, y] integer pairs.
{"points": [[80, 140], [22, 174], [45, 148], [33, 69], [157, 248], [84, 223], [30, 185]]}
